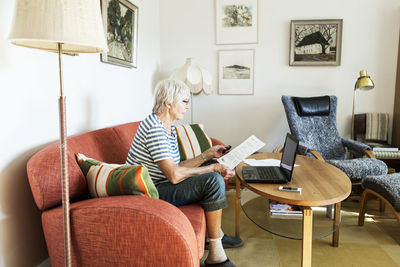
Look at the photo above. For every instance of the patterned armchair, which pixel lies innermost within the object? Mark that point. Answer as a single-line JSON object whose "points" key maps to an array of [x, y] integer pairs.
{"points": [[313, 121]]}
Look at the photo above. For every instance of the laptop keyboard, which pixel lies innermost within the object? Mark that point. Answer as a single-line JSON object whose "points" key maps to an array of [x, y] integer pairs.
{"points": [[267, 172]]}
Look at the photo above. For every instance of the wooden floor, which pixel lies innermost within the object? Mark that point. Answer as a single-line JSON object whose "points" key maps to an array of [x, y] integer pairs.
{"points": [[377, 243]]}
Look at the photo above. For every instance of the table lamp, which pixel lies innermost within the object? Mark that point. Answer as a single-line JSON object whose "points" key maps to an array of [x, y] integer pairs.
{"points": [[65, 27], [195, 77], [363, 83]]}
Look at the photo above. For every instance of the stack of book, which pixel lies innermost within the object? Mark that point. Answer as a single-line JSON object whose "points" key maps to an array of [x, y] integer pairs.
{"points": [[382, 147], [285, 211], [385, 149]]}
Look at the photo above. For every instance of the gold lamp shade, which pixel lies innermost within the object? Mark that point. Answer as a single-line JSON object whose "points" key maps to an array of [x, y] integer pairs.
{"points": [[364, 82]]}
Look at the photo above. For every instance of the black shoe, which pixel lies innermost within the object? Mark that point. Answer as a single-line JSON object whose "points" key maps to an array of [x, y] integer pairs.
{"points": [[226, 263], [228, 242]]}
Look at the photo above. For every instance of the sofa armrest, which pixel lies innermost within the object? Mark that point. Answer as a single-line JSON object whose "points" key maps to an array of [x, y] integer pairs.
{"points": [[355, 146], [123, 231]]}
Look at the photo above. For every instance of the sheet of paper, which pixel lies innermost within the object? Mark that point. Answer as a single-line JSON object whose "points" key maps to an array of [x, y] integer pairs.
{"points": [[242, 151], [264, 162]]}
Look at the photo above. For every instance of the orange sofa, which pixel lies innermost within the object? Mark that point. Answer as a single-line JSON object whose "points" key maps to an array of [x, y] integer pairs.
{"points": [[113, 231]]}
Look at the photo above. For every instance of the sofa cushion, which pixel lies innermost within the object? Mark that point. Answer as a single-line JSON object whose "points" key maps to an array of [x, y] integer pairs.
{"points": [[105, 179], [360, 167], [192, 140], [387, 185]]}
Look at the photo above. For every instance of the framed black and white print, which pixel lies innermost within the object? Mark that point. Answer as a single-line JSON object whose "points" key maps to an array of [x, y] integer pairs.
{"points": [[236, 72], [315, 42], [120, 22], [236, 21]]}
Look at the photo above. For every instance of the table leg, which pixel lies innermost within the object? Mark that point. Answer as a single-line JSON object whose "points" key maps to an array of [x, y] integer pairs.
{"points": [[307, 237], [237, 206], [336, 223]]}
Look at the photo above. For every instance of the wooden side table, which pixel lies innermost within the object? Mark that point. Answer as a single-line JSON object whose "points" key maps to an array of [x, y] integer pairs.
{"points": [[322, 184]]}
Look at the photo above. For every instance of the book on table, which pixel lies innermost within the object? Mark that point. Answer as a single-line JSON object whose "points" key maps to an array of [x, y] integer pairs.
{"points": [[282, 210], [382, 147], [385, 149]]}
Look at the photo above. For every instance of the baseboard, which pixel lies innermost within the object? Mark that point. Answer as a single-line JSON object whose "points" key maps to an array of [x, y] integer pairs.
{"points": [[45, 263]]}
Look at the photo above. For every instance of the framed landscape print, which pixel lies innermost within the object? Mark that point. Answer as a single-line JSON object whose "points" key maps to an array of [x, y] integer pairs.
{"points": [[315, 42], [120, 21], [236, 72], [236, 21]]}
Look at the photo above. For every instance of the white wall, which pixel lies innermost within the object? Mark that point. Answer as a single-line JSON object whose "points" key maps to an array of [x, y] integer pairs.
{"points": [[98, 95], [370, 41]]}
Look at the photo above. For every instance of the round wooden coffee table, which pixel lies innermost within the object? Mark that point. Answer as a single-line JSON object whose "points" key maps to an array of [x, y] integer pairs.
{"points": [[322, 184]]}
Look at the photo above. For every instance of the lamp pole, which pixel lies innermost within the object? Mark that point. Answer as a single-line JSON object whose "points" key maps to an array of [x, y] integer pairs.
{"points": [[352, 114], [363, 83], [64, 164]]}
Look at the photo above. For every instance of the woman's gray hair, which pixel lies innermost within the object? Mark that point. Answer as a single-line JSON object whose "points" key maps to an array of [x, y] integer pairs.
{"points": [[170, 90]]}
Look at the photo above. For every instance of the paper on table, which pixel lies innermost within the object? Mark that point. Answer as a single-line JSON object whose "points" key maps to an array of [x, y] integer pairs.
{"points": [[242, 151], [264, 162]]}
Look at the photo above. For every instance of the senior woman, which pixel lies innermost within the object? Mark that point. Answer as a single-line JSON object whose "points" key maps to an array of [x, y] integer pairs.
{"points": [[183, 182]]}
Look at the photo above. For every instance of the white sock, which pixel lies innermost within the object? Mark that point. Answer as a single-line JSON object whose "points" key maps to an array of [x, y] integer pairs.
{"points": [[222, 235], [216, 251]]}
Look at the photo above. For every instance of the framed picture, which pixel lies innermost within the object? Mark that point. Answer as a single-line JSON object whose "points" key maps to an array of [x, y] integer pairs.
{"points": [[236, 21], [236, 72], [315, 42], [120, 21]]}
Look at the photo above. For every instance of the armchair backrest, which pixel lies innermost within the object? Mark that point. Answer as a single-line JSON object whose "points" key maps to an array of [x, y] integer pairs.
{"points": [[313, 121]]}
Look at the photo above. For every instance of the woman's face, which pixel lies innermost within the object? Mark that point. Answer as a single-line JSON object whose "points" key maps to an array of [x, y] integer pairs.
{"points": [[178, 111]]}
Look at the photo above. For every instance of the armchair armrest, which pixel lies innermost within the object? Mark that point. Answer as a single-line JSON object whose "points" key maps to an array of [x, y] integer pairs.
{"points": [[303, 150], [316, 154], [355, 146], [123, 230]]}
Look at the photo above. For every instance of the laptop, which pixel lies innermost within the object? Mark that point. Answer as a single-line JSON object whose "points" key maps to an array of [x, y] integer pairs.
{"points": [[274, 174]]}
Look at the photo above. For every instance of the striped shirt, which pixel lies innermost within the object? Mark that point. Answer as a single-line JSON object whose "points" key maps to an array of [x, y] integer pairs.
{"points": [[151, 144]]}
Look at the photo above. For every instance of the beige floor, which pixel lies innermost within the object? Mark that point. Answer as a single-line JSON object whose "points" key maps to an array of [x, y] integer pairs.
{"points": [[377, 243]]}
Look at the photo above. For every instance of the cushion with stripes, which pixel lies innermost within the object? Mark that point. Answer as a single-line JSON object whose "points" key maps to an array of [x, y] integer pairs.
{"points": [[192, 140], [106, 180]]}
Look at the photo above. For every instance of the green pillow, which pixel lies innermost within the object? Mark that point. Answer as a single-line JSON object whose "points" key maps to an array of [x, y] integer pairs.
{"points": [[106, 180], [192, 140]]}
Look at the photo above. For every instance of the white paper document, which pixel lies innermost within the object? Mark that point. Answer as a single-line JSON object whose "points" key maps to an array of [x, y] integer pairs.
{"points": [[264, 162], [242, 151]]}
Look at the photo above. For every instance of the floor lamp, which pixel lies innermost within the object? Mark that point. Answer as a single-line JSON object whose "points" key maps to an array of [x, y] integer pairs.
{"points": [[363, 83], [195, 77], [65, 27]]}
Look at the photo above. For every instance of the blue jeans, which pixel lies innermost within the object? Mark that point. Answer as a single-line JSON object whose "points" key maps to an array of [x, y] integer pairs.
{"points": [[207, 189]]}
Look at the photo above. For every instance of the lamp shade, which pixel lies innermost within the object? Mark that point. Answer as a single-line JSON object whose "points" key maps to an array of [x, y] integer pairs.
{"points": [[194, 76], [364, 82], [42, 24]]}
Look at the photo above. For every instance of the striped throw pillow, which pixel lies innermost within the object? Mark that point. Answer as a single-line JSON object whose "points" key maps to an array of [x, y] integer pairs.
{"points": [[106, 180], [192, 140]]}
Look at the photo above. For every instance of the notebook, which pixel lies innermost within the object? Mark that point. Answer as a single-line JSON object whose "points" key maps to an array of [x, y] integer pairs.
{"points": [[274, 174]]}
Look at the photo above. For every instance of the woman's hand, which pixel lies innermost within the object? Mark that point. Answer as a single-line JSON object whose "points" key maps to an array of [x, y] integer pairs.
{"points": [[223, 170], [214, 152]]}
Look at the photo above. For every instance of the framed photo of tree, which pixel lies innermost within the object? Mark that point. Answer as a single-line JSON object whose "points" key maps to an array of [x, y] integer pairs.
{"points": [[236, 21], [236, 72], [120, 21], [315, 42]]}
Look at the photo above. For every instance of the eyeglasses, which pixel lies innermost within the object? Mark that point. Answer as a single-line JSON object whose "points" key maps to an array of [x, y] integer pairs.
{"points": [[186, 102]]}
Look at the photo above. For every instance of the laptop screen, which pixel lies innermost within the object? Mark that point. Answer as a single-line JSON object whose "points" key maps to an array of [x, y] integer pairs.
{"points": [[289, 155]]}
